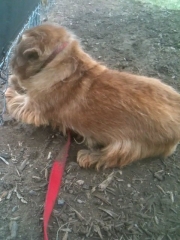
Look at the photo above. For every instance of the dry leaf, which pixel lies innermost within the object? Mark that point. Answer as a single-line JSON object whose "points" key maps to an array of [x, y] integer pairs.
{"points": [[102, 186]]}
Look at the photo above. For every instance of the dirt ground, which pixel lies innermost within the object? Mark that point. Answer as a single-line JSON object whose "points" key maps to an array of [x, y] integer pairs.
{"points": [[142, 201]]}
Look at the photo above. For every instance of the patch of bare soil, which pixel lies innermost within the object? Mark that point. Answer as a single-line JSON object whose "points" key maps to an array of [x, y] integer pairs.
{"points": [[141, 201]]}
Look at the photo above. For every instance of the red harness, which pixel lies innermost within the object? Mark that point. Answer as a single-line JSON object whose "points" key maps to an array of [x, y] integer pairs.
{"points": [[54, 186]]}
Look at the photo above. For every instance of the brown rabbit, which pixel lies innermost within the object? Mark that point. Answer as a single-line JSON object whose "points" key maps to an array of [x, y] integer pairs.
{"points": [[132, 117]]}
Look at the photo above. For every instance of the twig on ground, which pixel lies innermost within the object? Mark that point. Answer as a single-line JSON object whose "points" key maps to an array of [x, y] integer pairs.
{"points": [[4, 160]]}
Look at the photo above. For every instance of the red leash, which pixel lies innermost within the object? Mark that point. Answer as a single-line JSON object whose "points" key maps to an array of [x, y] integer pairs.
{"points": [[54, 186]]}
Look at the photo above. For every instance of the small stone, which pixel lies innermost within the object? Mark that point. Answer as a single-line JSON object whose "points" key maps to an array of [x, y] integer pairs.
{"points": [[128, 185], [80, 201], [33, 193], [61, 202], [80, 182], [45, 19]]}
